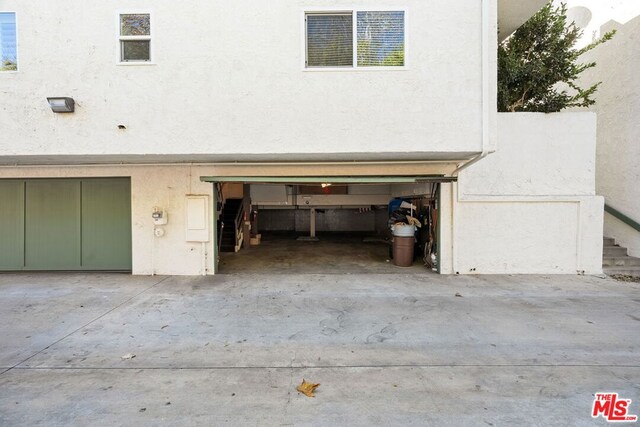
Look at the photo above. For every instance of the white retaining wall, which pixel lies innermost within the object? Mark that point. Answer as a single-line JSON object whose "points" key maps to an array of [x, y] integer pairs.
{"points": [[530, 207]]}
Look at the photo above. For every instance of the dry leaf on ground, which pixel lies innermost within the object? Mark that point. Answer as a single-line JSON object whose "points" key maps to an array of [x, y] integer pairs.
{"points": [[307, 388]]}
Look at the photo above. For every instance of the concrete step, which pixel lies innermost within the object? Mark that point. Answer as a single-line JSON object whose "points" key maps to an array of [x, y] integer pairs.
{"points": [[629, 271], [614, 251], [615, 259], [620, 261]]}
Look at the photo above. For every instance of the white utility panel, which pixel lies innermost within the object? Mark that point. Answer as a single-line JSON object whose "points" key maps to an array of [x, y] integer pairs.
{"points": [[197, 224]]}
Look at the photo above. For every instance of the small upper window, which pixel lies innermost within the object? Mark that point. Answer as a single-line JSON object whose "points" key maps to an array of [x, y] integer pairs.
{"points": [[8, 42], [135, 37], [379, 39]]}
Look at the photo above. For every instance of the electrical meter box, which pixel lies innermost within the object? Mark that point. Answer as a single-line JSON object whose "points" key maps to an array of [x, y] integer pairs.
{"points": [[159, 216]]}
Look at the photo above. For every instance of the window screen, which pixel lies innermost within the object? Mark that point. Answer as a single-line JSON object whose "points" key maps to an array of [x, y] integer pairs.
{"points": [[8, 49], [136, 50], [380, 39], [330, 40]]}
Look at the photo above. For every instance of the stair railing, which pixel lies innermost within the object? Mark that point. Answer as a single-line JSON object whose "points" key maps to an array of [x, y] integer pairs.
{"points": [[622, 217], [218, 207], [221, 235], [238, 223]]}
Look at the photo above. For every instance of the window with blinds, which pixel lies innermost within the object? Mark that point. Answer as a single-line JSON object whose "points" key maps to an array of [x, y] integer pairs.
{"points": [[379, 39], [330, 40]]}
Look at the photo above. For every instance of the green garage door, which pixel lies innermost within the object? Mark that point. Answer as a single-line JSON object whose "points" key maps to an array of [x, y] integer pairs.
{"points": [[11, 225], [106, 224], [65, 224]]}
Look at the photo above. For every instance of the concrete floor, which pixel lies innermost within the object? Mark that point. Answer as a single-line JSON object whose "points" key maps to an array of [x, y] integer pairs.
{"points": [[397, 349], [331, 254]]}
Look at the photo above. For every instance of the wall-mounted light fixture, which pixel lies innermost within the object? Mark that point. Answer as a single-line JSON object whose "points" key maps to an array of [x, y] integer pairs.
{"points": [[61, 104]]}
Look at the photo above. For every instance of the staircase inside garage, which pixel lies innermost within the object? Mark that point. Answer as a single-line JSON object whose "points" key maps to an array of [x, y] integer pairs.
{"points": [[232, 215], [616, 260]]}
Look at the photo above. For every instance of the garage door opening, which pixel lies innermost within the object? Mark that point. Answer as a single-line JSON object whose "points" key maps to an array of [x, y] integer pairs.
{"points": [[326, 227]]}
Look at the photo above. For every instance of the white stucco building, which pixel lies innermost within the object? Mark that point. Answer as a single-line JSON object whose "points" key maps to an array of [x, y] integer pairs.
{"points": [[618, 108], [171, 100]]}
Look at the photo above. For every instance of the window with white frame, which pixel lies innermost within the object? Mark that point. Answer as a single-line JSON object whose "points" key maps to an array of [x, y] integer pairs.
{"points": [[135, 37], [379, 39], [8, 42]]}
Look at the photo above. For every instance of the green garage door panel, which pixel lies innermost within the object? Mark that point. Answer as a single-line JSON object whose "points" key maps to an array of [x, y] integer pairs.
{"points": [[106, 224], [11, 225], [52, 232]]}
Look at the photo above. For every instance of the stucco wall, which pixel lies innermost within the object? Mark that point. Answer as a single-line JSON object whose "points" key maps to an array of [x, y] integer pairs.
{"points": [[531, 206], [229, 79], [161, 186], [618, 108]]}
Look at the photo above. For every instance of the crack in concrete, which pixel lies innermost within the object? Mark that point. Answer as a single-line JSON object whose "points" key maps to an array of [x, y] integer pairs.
{"points": [[302, 367], [84, 326]]}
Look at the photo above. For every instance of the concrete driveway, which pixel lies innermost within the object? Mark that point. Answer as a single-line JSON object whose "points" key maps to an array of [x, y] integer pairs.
{"points": [[404, 349]]}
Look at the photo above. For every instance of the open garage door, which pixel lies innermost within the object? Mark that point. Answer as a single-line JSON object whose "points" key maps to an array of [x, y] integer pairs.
{"points": [[65, 224], [322, 224]]}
